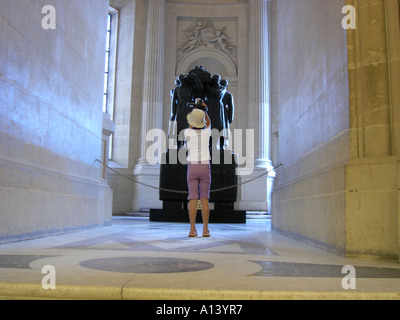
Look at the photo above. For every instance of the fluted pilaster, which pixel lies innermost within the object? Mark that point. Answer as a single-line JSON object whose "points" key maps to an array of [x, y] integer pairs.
{"points": [[259, 80], [152, 110]]}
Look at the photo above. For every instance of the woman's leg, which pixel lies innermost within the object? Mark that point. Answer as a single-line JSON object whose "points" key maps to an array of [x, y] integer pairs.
{"points": [[205, 183], [193, 186], [205, 211], [192, 217]]}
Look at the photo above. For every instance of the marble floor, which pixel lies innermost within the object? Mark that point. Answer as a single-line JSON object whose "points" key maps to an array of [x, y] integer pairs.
{"points": [[137, 259]]}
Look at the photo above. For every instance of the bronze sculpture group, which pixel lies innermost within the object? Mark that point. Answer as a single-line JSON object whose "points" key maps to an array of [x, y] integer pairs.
{"points": [[199, 83]]}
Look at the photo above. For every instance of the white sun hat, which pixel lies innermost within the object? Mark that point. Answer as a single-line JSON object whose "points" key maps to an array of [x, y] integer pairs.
{"points": [[197, 119]]}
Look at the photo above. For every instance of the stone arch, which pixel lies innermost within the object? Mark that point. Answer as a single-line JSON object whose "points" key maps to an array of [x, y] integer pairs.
{"points": [[213, 60]]}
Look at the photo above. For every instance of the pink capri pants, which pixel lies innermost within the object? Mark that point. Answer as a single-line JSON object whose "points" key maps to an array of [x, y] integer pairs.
{"points": [[199, 180]]}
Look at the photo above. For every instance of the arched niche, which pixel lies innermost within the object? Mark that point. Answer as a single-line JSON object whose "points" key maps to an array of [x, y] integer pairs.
{"points": [[212, 60]]}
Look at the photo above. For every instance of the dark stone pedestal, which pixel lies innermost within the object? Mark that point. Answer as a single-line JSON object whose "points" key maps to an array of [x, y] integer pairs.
{"points": [[173, 177], [216, 216]]}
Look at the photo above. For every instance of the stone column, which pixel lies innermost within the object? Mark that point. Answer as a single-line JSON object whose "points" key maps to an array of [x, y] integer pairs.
{"points": [[259, 80], [259, 106], [152, 110]]}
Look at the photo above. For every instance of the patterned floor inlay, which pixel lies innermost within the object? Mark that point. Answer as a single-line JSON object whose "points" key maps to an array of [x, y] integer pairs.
{"points": [[19, 261], [288, 269], [125, 242], [147, 265]]}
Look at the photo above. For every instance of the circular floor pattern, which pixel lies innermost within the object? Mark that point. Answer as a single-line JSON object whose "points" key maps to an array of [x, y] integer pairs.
{"points": [[146, 265]]}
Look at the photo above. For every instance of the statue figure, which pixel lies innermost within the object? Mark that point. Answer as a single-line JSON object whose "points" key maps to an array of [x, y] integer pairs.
{"points": [[187, 87], [215, 92], [221, 40], [192, 43], [229, 109]]}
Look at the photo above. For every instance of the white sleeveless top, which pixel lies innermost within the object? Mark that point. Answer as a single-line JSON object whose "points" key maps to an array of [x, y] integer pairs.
{"points": [[198, 142]]}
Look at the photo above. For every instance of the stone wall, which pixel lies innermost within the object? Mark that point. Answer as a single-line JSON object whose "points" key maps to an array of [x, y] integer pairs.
{"points": [[51, 84], [336, 130], [372, 211], [311, 104]]}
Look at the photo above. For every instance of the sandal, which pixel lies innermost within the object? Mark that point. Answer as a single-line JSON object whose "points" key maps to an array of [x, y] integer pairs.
{"points": [[206, 234], [193, 235]]}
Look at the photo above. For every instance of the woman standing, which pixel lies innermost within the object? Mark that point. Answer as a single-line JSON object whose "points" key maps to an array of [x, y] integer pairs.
{"points": [[199, 169]]}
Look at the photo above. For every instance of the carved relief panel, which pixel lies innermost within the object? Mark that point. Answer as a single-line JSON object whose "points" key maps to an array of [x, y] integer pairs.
{"points": [[212, 35]]}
